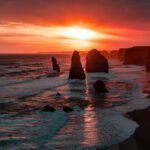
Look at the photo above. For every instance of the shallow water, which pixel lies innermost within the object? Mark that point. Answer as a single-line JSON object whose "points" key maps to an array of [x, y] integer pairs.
{"points": [[97, 120]]}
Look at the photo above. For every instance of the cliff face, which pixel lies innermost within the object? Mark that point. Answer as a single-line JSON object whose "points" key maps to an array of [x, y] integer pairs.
{"points": [[121, 54], [136, 55], [113, 54], [148, 63]]}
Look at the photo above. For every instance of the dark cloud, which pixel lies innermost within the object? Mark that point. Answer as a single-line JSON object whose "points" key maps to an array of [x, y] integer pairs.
{"points": [[125, 13]]}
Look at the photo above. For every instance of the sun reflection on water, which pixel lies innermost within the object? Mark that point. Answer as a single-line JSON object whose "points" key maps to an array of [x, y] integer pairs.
{"points": [[90, 133]]}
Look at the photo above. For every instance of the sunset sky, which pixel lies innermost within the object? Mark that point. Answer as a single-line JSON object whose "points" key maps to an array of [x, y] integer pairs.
{"points": [[29, 26]]}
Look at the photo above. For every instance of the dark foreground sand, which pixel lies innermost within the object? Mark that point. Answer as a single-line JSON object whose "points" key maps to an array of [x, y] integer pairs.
{"points": [[142, 134], [127, 145], [140, 140]]}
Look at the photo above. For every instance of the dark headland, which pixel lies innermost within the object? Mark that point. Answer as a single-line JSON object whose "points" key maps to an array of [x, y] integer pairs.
{"points": [[140, 140]]}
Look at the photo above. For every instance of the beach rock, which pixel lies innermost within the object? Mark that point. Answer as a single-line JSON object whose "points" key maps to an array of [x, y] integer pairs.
{"points": [[55, 65], [136, 55], [49, 108], [100, 87], [148, 63], [96, 62], [76, 71], [67, 109]]}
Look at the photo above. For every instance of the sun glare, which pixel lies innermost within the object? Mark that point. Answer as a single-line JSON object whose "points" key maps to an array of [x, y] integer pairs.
{"points": [[79, 33], [60, 37]]}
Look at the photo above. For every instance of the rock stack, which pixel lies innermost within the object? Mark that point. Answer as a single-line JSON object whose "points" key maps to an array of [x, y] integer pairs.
{"points": [[96, 62], [55, 65], [76, 71]]}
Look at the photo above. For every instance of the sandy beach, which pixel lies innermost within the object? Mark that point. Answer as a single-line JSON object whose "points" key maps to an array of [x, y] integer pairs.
{"points": [[140, 139]]}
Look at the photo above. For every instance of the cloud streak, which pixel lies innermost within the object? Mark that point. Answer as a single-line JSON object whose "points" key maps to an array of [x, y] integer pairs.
{"points": [[132, 13], [38, 22]]}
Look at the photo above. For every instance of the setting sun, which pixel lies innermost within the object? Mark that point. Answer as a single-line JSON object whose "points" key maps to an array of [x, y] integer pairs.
{"points": [[79, 33], [76, 32], [32, 38]]}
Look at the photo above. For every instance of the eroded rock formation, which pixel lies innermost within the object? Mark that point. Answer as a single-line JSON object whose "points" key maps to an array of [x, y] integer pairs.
{"points": [[49, 108], [55, 65], [76, 71], [100, 87], [96, 62]]}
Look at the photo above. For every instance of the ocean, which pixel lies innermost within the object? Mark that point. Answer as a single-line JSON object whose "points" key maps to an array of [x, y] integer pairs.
{"points": [[27, 84]]}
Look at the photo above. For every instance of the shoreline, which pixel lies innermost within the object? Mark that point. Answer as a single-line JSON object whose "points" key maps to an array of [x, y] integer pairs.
{"points": [[142, 133], [140, 139]]}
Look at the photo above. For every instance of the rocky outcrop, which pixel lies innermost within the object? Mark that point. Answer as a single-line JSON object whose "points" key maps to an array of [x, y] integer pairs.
{"points": [[100, 87], [67, 109], [148, 63], [136, 55], [96, 62], [55, 65], [49, 108], [76, 71]]}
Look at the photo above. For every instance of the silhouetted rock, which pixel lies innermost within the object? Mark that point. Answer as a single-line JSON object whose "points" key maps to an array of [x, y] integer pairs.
{"points": [[136, 55], [58, 94], [100, 87], [121, 54], [55, 65], [113, 54], [96, 62], [76, 71], [148, 63], [67, 109], [49, 108], [105, 53]]}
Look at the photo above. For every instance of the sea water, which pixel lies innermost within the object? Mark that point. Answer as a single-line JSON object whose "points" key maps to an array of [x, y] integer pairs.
{"points": [[27, 84]]}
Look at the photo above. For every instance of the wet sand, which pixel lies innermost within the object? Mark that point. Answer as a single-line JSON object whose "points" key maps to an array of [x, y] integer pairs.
{"points": [[142, 117], [140, 140], [142, 134], [126, 145]]}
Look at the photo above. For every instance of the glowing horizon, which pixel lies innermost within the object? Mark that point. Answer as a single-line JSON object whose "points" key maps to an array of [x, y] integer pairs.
{"points": [[31, 26], [67, 37]]}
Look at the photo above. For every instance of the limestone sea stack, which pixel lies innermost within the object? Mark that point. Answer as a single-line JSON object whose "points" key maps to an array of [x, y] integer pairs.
{"points": [[96, 62], [76, 71], [148, 63], [55, 65], [105, 53]]}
